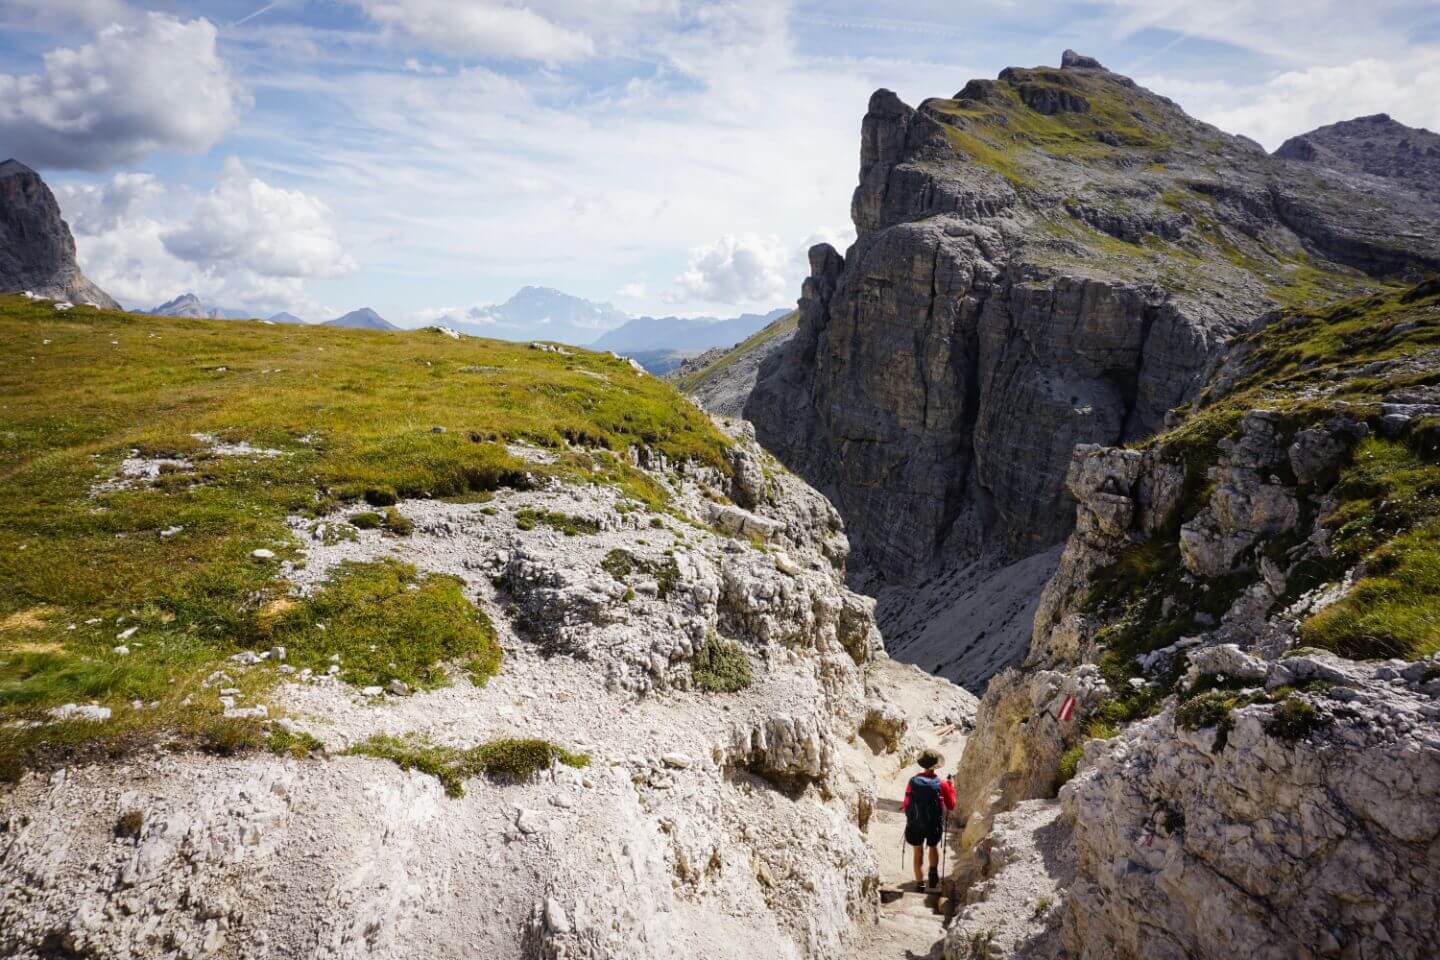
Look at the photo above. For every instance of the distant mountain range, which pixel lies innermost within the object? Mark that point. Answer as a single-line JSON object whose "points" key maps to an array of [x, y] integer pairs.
{"points": [[684, 333], [189, 305], [540, 313], [362, 319], [543, 313]]}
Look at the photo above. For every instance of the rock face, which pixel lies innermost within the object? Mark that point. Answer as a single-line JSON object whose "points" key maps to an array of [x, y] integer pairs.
{"points": [[37, 251], [717, 824], [1047, 259], [1377, 146], [1272, 846], [1232, 789]]}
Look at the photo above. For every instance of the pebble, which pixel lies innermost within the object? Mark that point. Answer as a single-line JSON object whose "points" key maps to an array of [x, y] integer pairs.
{"points": [[127, 633], [677, 760], [529, 823], [263, 554], [241, 713], [372, 691], [85, 711]]}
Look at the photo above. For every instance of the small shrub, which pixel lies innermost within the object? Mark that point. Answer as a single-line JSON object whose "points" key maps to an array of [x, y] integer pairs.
{"points": [[1069, 765], [1206, 711], [721, 667], [618, 563], [563, 522], [295, 743], [1042, 906], [367, 521], [397, 523], [381, 496], [130, 824], [1295, 719]]}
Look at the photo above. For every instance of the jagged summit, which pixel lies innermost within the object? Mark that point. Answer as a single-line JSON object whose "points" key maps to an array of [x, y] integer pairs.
{"points": [[1050, 257]]}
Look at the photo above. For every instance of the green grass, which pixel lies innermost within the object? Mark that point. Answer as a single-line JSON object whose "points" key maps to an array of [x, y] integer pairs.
{"points": [[508, 760], [387, 622], [721, 666], [350, 415], [565, 523]]}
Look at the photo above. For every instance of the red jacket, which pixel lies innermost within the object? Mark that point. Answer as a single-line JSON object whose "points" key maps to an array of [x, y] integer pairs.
{"points": [[947, 793]]}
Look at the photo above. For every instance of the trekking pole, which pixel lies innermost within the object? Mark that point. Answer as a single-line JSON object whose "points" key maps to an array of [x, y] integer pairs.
{"points": [[944, 844]]}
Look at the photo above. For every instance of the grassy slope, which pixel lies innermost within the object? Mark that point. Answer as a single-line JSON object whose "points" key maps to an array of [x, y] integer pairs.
{"points": [[769, 332], [352, 415]]}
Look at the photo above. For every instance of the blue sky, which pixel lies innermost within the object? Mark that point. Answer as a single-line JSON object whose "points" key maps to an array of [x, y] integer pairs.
{"points": [[669, 156]]}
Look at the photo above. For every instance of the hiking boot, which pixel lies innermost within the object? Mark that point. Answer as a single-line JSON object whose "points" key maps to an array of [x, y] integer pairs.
{"points": [[934, 883]]}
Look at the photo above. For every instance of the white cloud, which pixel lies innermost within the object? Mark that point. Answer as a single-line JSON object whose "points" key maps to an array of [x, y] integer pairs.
{"points": [[245, 244], [738, 270], [482, 28], [96, 208], [245, 222], [633, 291], [136, 89], [1297, 101]]}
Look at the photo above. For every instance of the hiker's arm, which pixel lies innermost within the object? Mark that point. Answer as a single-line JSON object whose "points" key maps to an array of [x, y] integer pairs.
{"points": [[947, 794], [905, 804]]}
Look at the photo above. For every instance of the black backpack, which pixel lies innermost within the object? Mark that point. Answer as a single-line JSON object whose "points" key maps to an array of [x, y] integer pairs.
{"points": [[923, 815]]}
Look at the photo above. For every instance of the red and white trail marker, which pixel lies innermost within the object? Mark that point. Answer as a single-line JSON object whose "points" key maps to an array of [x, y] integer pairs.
{"points": [[1067, 708]]}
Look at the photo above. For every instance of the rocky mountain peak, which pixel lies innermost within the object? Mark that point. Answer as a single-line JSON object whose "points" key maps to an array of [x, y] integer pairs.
{"points": [[1051, 257], [1398, 157], [1070, 60], [37, 250]]}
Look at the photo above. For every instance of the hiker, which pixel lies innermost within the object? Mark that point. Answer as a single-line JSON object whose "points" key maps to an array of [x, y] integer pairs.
{"points": [[928, 802]]}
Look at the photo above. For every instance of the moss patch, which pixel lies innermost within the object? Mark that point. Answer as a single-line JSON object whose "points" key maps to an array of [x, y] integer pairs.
{"points": [[508, 759], [721, 666]]}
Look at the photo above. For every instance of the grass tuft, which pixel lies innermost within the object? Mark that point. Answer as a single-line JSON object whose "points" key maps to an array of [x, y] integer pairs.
{"points": [[509, 759]]}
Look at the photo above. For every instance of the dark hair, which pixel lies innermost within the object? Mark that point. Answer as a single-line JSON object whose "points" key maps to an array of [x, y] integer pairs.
{"points": [[929, 759]]}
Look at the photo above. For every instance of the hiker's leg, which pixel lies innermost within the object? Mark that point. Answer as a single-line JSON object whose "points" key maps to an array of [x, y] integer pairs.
{"points": [[935, 857], [919, 871]]}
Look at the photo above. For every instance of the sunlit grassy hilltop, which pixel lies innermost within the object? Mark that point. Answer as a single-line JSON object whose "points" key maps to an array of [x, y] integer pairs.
{"points": [[144, 461]]}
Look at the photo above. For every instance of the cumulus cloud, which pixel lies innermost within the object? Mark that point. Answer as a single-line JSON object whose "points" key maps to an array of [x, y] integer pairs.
{"points": [[156, 84], [1299, 100], [244, 244], [481, 27], [96, 208], [748, 268], [245, 222]]}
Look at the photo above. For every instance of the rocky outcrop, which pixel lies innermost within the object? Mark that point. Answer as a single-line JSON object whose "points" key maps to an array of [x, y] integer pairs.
{"points": [[1227, 787], [1281, 842], [37, 251], [1048, 259], [748, 801]]}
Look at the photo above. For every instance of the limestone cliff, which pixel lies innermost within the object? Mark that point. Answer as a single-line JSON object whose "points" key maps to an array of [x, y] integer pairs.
{"points": [[1244, 616], [1046, 259], [37, 252]]}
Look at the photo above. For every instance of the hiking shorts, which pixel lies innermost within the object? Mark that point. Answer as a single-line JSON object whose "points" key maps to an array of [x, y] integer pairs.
{"points": [[916, 836]]}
